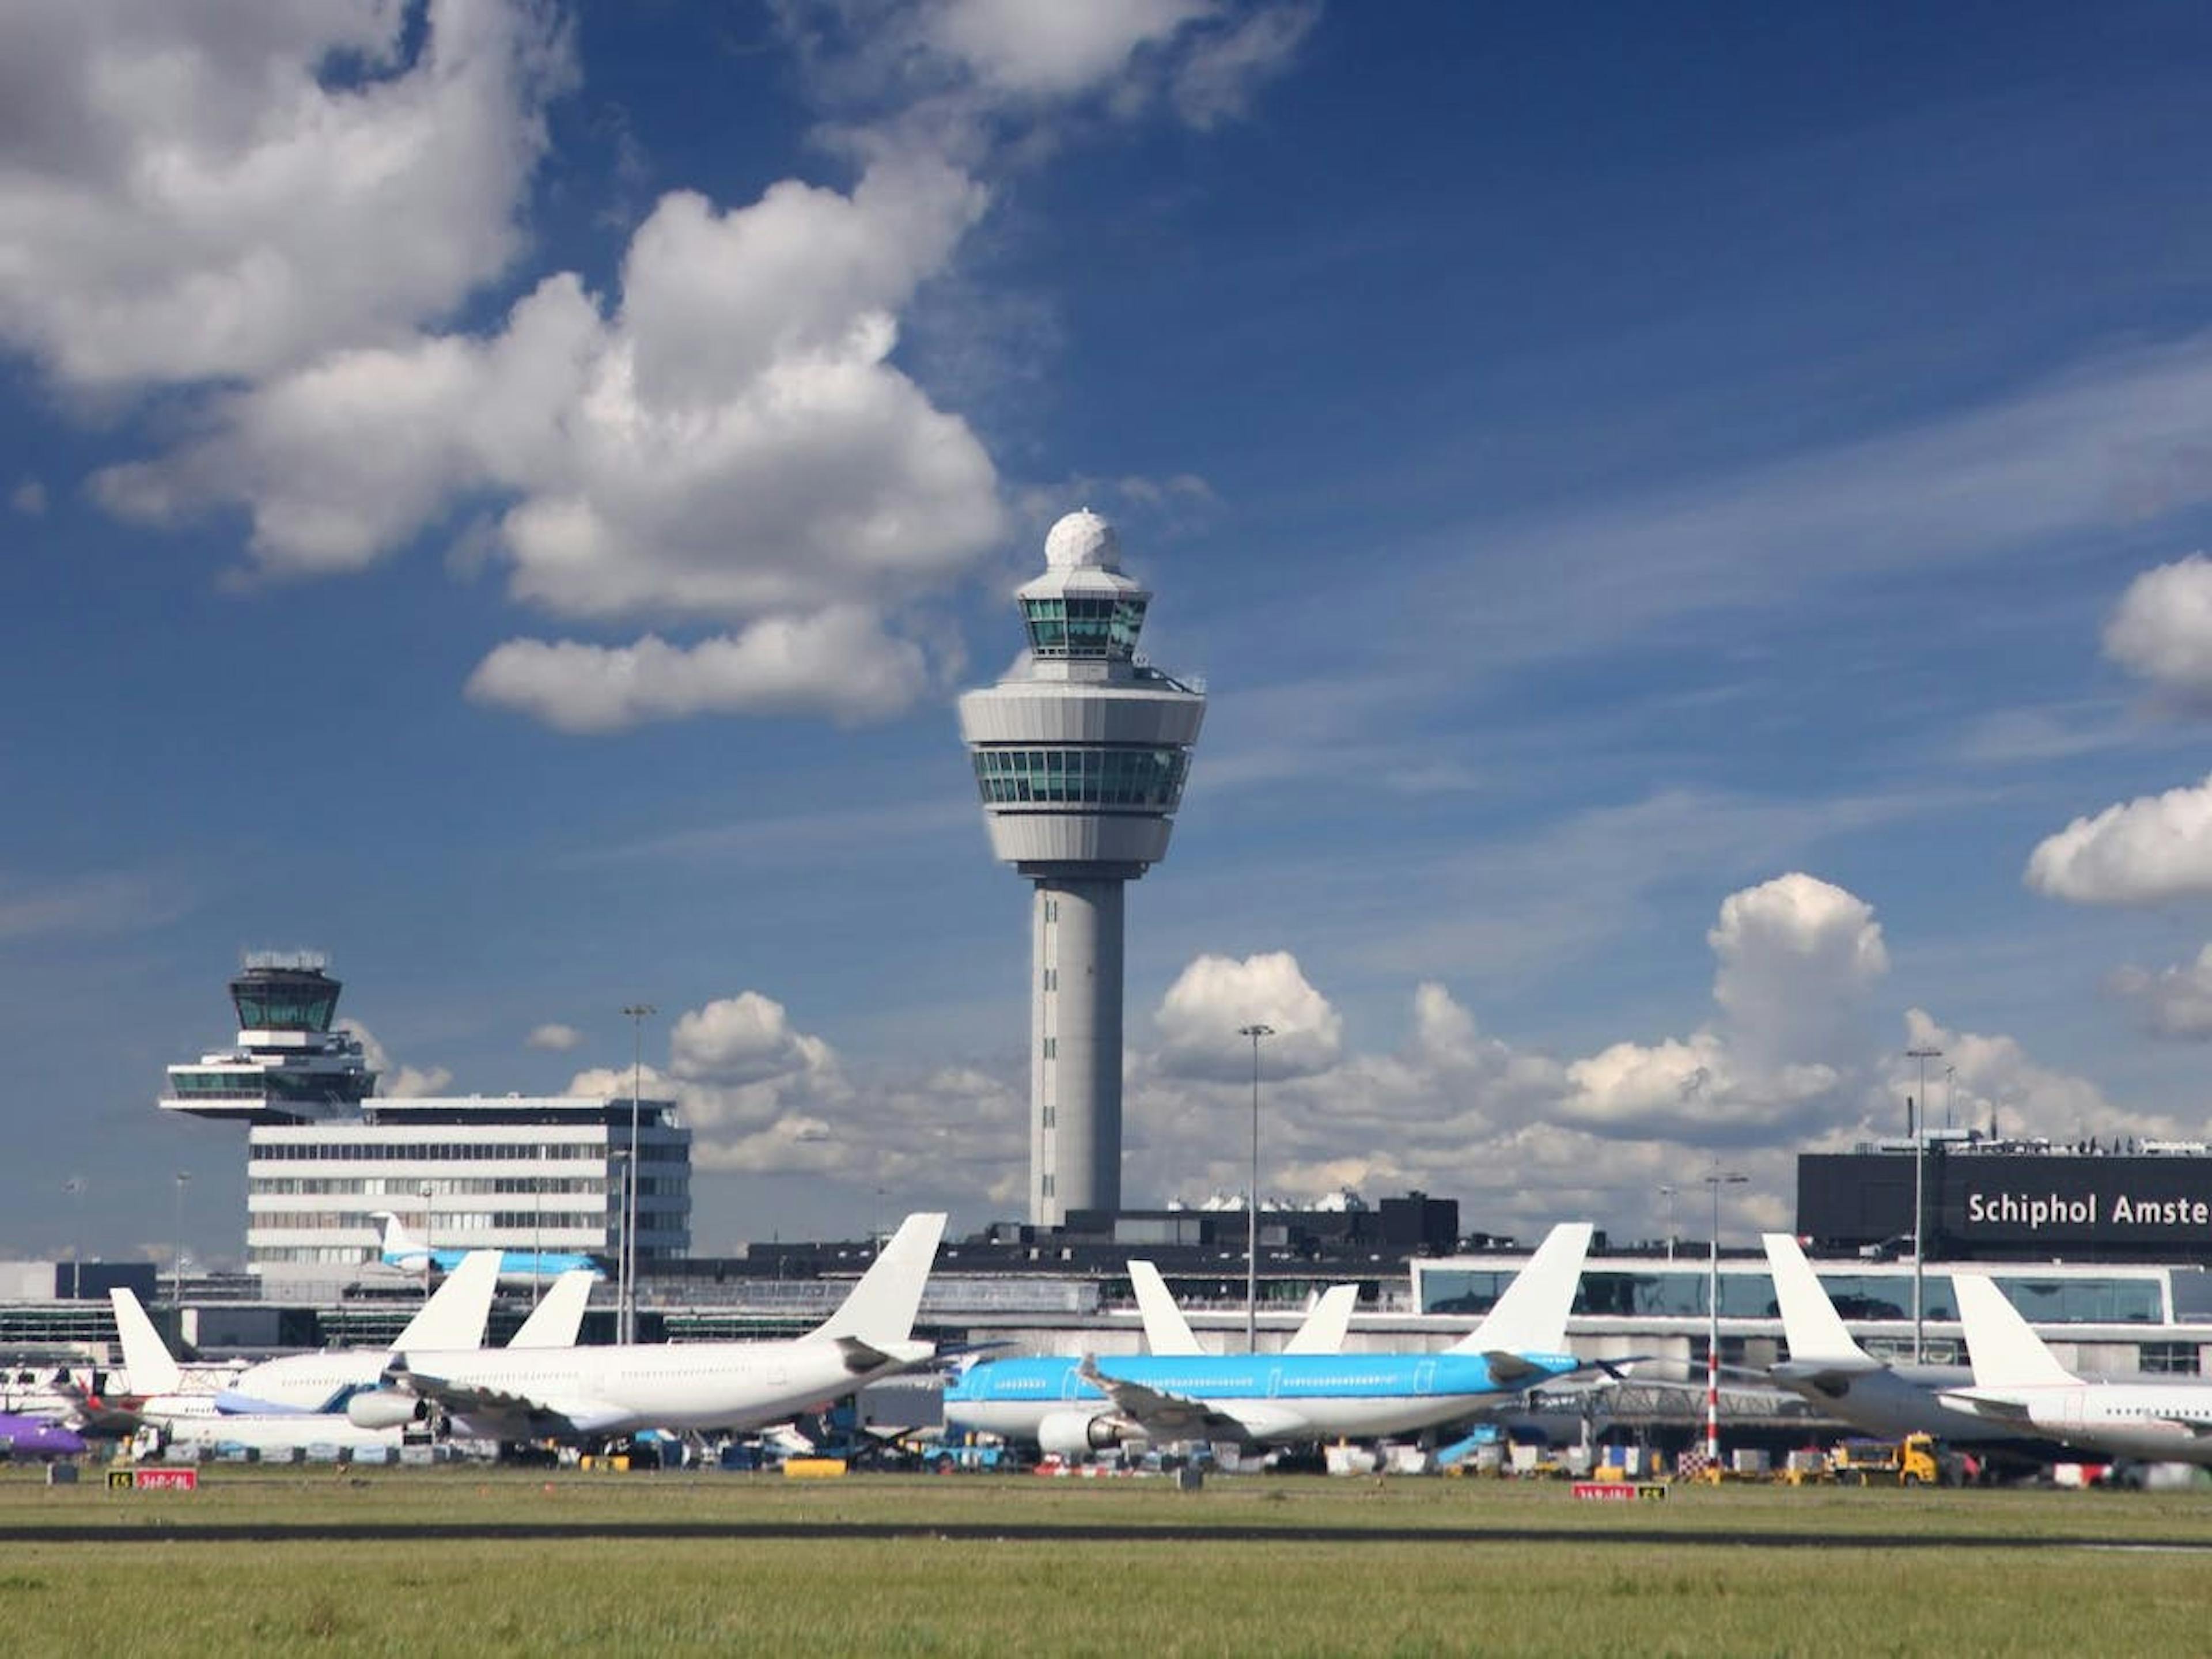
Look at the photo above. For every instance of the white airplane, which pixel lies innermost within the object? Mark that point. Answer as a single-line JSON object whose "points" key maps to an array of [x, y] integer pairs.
{"points": [[576, 1393], [454, 1317], [1828, 1368], [1167, 1332], [2019, 1383]]}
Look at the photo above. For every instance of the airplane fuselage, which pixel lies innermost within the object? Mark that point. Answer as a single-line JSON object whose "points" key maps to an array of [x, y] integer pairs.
{"points": [[500, 1394], [515, 1266], [2156, 1422], [1285, 1397]]}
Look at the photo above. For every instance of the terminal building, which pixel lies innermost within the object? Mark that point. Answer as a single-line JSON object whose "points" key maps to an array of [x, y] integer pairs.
{"points": [[1986, 1200], [326, 1153]]}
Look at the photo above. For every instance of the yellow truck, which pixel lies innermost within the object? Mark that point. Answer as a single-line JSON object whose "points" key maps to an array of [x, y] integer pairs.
{"points": [[1912, 1462]]}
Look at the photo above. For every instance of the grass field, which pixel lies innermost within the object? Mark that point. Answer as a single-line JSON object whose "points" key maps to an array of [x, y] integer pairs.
{"points": [[460, 1561]]}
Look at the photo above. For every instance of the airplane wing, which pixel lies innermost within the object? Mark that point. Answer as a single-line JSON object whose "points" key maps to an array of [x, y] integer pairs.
{"points": [[2195, 1426], [1997, 1408], [1511, 1370], [549, 1415], [1165, 1416]]}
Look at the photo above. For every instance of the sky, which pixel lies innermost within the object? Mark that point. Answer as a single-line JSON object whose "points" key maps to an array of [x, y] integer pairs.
{"points": [[1691, 528]]}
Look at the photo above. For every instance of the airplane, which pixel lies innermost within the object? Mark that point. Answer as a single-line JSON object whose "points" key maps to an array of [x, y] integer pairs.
{"points": [[403, 1250], [454, 1317], [605, 1393], [1829, 1369], [1074, 1407], [1167, 1332], [37, 1437], [2020, 1384], [173, 1416]]}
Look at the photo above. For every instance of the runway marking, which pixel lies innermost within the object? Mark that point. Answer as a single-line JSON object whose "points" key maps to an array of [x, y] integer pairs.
{"points": [[165, 1530]]}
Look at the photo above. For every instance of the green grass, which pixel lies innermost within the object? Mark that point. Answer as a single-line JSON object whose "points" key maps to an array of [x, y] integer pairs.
{"points": [[644, 1562]]}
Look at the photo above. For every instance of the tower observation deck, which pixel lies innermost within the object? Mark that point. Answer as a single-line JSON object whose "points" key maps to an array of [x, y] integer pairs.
{"points": [[1081, 752]]}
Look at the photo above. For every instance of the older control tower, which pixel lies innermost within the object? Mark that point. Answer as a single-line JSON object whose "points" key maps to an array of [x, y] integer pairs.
{"points": [[1081, 752]]}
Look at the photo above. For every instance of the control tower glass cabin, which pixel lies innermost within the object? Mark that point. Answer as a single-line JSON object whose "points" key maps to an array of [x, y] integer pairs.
{"points": [[1081, 752]]}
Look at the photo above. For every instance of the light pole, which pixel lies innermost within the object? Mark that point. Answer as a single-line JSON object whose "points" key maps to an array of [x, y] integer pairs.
{"points": [[1255, 1031], [176, 1255], [422, 1190], [1668, 1193], [1718, 1179], [75, 1187], [1919, 1187], [637, 1013]]}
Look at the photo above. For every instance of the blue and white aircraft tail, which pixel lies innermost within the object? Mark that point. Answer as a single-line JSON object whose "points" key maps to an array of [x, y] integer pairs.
{"points": [[408, 1253]]}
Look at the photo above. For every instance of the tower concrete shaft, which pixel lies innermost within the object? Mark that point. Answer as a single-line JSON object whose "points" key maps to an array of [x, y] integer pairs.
{"points": [[1081, 752]]}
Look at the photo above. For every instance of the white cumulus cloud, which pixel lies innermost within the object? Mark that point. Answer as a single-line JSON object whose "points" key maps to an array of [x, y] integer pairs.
{"points": [[2161, 629], [2145, 851], [194, 191], [839, 662], [554, 1037], [2171, 1002], [1199, 1017]]}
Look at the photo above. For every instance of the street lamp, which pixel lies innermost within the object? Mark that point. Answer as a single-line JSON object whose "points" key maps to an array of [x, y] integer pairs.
{"points": [[75, 1187], [1255, 1031], [1714, 1181], [637, 1013], [177, 1256], [1919, 1187], [1668, 1193], [423, 1190]]}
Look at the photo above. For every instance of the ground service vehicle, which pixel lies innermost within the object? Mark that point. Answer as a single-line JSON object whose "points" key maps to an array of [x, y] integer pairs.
{"points": [[1912, 1462]]}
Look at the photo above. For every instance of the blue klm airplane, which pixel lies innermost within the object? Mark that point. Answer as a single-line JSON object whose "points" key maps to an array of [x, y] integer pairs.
{"points": [[403, 1250], [1075, 1407]]}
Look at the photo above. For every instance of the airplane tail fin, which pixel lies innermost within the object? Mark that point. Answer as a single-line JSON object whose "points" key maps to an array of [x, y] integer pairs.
{"points": [[1166, 1331], [881, 1308], [1810, 1319], [454, 1317], [1531, 1317], [559, 1315], [153, 1369], [1323, 1331], [2005, 1352], [398, 1243]]}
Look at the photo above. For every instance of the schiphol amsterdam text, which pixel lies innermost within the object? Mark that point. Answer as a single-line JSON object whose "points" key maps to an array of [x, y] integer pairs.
{"points": [[2043, 1210]]}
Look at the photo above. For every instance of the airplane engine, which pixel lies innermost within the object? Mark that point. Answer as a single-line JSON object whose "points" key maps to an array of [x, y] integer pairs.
{"points": [[382, 1409], [1078, 1434]]}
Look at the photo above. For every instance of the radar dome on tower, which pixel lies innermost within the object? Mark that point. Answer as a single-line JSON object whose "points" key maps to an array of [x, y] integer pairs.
{"points": [[1082, 541]]}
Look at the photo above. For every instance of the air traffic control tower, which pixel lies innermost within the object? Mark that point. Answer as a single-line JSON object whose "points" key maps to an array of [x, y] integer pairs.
{"points": [[1081, 752]]}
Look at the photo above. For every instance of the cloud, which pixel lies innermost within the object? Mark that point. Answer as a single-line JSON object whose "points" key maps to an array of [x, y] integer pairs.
{"points": [[1216, 81], [197, 192], [1202, 1012], [396, 1082], [2171, 1002], [732, 442], [838, 662], [1796, 957], [554, 1037], [2161, 629], [1996, 1080], [2146, 851], [28, 498], [1020, 47], [85, 905]]}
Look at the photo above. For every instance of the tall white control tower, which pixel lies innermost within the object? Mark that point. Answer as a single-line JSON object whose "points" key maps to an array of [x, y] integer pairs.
{"points": [[1080, 752]]}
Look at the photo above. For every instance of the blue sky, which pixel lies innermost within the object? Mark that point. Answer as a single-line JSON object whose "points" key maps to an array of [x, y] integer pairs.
{"points": [[1689, 528]]}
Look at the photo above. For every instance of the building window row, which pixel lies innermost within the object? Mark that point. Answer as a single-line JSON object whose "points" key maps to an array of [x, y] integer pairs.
{"points": [[440, 1223], [404, 1187], [458, 1151], [1088, 626], [1090, 776]]}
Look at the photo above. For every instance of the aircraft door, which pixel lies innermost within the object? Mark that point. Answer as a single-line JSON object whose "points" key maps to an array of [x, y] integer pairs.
{"points": [[1425, 1377]]}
